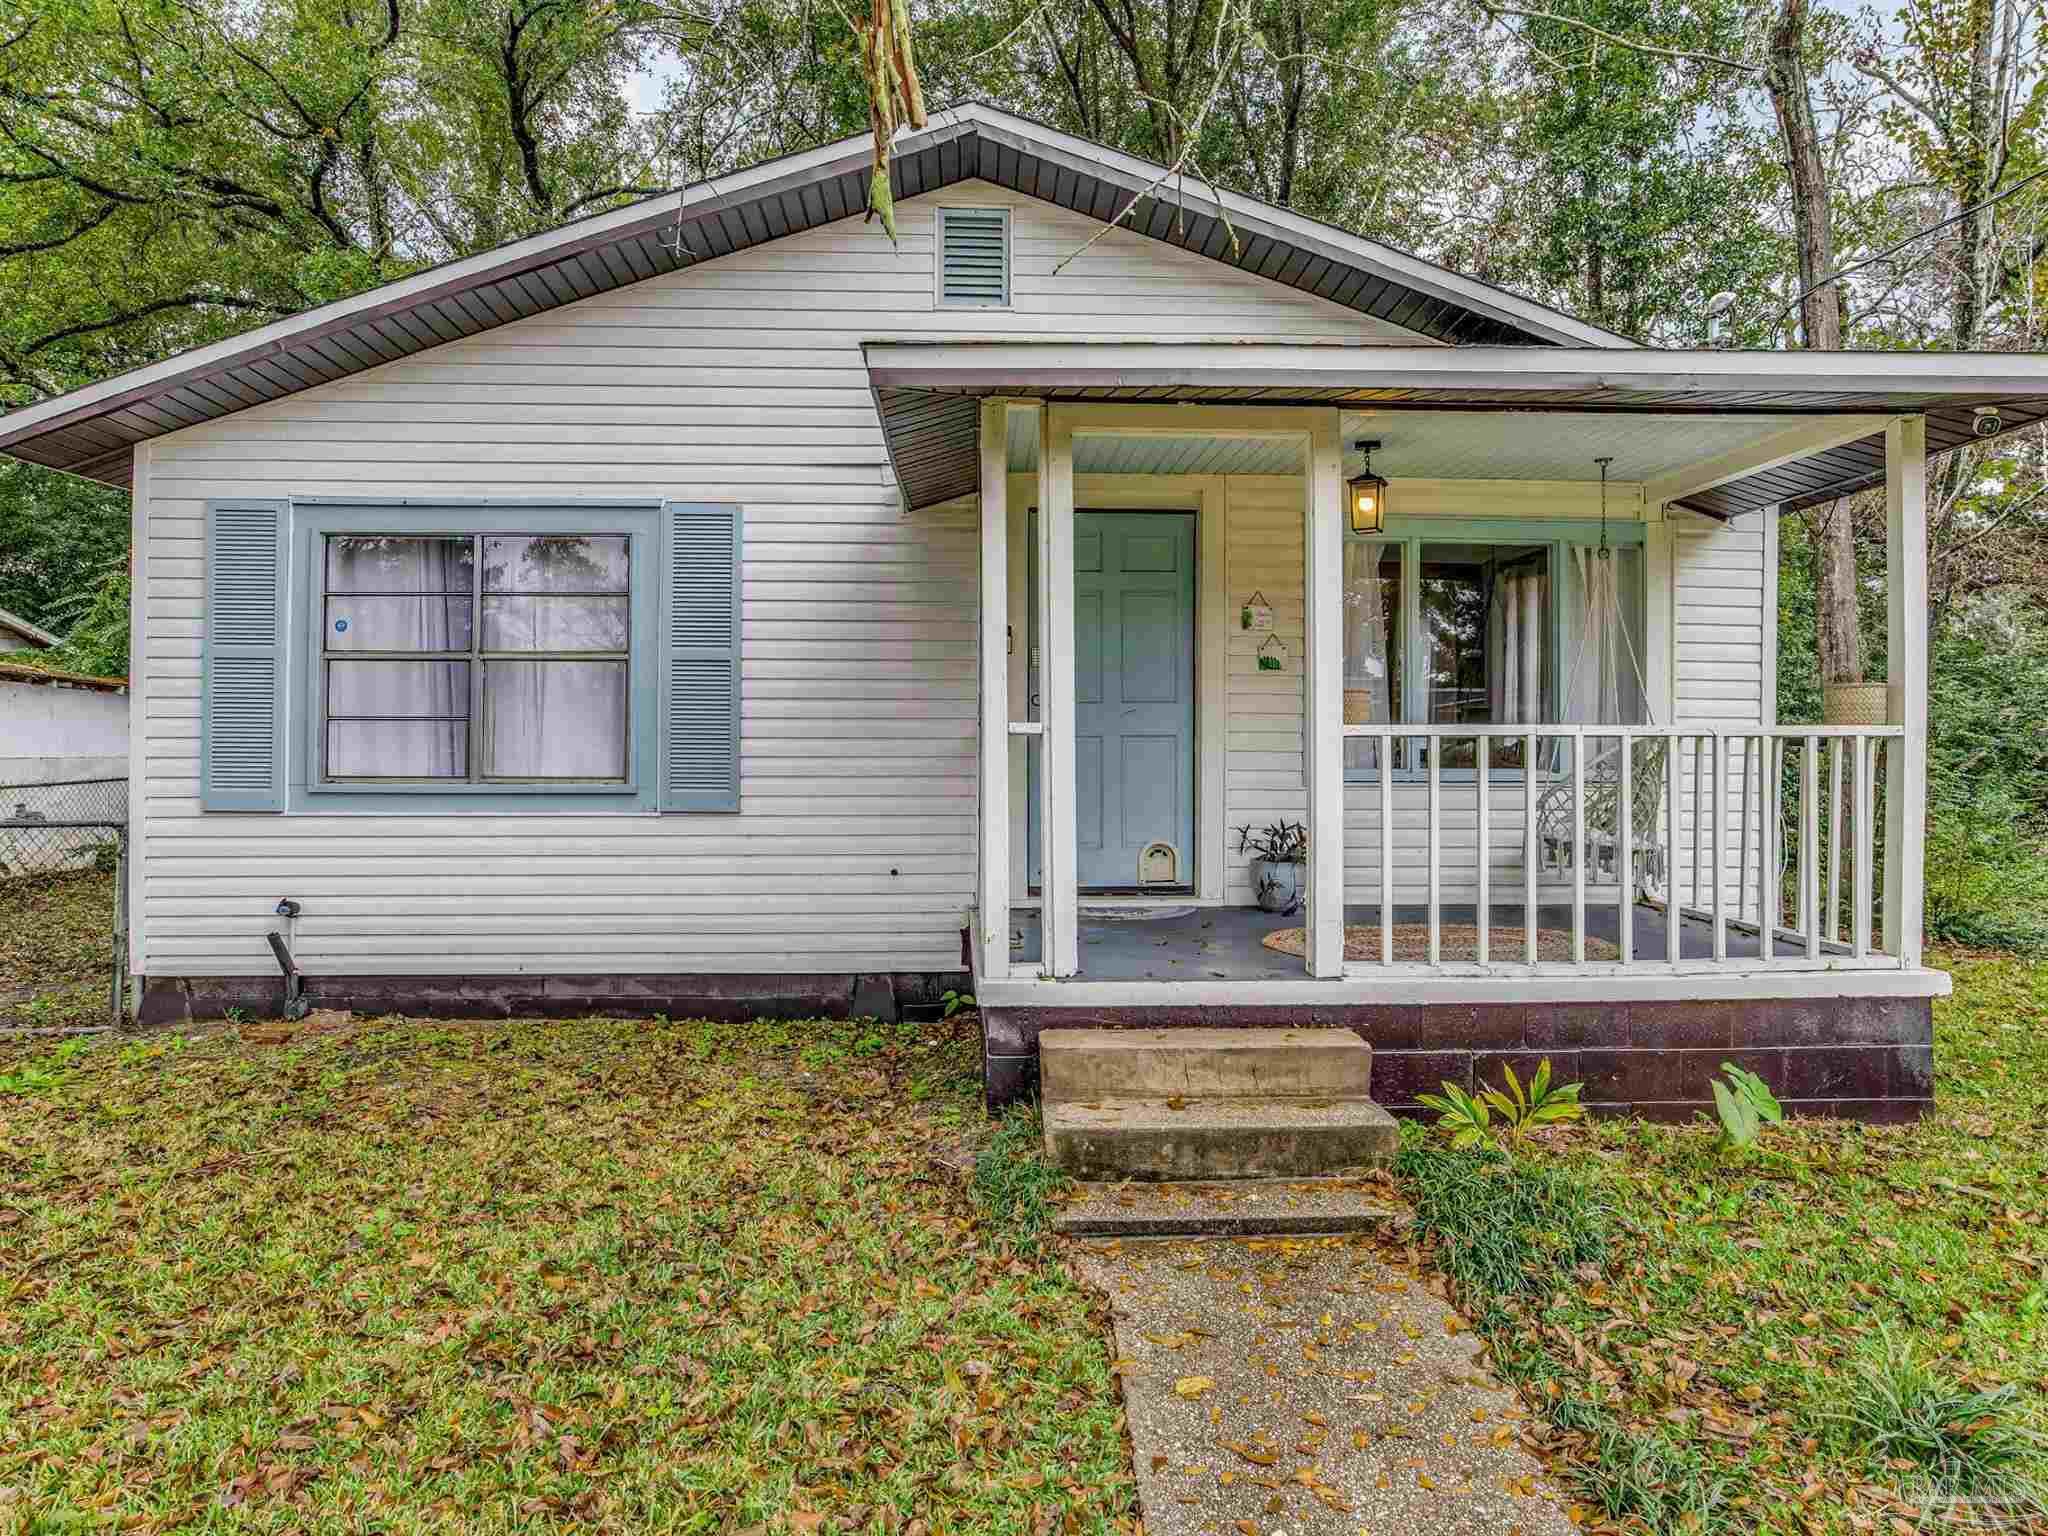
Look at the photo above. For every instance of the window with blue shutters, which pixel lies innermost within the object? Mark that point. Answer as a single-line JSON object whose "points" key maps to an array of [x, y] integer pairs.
{"points": [[701, 679], [243, 659], [404, 656]]}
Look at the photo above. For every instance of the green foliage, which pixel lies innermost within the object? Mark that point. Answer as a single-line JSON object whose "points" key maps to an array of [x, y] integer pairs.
{"points": [[1641, 202], [951, 1002], [1966, 1442], [1467, 1118], [95, 628], [1745, 1104], [1635, 1476], [58, 534], [1463, 1118], [1502, 1226], [1541, 1105], [1987, 823], [45, 1076], [1014, 1184]]}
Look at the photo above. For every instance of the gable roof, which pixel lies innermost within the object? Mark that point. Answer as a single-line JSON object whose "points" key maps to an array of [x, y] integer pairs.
{"points": [[90, 431]]}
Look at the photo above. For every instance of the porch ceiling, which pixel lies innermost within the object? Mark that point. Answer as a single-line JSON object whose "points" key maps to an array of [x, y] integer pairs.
{"points": [[1434, 445], [1470, 412]]}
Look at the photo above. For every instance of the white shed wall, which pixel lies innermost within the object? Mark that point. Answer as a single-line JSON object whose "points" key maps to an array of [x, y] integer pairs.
{"points": [[739, 380], [50, 731]]}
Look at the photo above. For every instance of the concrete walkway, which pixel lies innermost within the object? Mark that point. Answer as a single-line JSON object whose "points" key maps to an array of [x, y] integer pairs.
{"points": [[1305, 1385]]}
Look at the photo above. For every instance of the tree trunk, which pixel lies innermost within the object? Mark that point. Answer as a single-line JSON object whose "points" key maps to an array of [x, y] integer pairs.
{"points": [[1820, 322]]}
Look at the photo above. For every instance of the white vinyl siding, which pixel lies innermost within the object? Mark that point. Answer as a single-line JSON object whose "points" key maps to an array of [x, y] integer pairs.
{"points": [[737, 381], [1721, 585]]}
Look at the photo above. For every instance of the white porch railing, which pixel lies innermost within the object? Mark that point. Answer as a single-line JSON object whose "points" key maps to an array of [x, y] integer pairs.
{"points": [[1737, 827]]}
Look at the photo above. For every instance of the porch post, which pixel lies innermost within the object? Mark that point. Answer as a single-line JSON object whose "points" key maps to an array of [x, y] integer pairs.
{"points": [[992, 911], [1058, 849], [1323, 693], [1905, 483]]}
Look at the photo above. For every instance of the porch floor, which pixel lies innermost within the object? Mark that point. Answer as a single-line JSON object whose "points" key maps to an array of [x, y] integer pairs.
{"points": [[1224, 943]]}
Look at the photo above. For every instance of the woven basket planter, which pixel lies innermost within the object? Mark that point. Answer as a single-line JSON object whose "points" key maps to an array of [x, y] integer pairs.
{"points": [[1856, 704]]}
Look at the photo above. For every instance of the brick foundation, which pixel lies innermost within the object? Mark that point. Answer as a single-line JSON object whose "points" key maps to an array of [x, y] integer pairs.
{"points": [[1859, 1058], [733, 998]]}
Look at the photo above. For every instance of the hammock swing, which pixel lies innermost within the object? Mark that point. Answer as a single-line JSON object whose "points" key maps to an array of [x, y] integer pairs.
{"points": [[1598, 842]]}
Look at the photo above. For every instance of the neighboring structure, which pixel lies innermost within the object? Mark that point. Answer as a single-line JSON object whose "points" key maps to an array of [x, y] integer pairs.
{"points": [[710, 607], [57, 727], [17, 634]]}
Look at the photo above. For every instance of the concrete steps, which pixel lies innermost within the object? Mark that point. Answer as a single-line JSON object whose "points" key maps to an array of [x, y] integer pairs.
{"points": [[1228, 1208], [1211, 1103]]}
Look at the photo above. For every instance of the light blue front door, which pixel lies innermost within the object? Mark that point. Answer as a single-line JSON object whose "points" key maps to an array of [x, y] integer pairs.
{"points": [[1134, 695]]}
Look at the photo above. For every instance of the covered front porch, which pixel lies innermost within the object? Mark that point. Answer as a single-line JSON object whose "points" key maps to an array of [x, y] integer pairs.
{"points": [[1414, 696]]}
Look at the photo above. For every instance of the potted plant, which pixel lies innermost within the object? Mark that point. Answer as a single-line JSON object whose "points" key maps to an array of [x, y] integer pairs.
{"points": [[1277, 855]]}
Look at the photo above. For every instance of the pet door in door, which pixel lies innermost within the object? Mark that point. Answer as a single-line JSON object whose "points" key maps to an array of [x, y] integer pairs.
{"points": [[1159, 864]]}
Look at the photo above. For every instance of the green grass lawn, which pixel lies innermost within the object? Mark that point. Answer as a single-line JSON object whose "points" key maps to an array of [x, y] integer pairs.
{"points": [[625, 1275], [1718, 1365], [402, 1275], [56, 948]]}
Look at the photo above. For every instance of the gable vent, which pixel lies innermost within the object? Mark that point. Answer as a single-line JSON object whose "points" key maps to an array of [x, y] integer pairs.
{"points": [[974, 256]]}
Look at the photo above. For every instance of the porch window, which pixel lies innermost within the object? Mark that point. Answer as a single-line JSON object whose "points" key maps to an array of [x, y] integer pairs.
{"points": [[476, 658], [1450, 632]]}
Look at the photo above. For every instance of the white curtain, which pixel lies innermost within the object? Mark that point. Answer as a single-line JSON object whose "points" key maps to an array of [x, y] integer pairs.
{"points": [[545, 719], [1515, 635], [556, 719], [1368, 695], [397, 595]]}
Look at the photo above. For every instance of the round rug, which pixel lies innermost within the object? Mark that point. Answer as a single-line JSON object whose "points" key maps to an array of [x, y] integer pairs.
{"points": [[1460, 941], [1134, 914]]}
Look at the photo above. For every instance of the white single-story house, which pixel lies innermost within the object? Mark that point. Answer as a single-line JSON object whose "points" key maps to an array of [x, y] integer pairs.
{"points": [[713, 606]]}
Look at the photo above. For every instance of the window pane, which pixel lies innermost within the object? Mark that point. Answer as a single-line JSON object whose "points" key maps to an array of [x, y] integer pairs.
{"points": [[1486, 642], [555, 719], [565, 563], [379, 563], [555, 623], [397, 749], [398, 623], [404, 689], [1372, 645]]}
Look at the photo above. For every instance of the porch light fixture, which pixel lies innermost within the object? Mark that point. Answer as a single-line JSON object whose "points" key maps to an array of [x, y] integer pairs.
{"points": [[1368, 495]]}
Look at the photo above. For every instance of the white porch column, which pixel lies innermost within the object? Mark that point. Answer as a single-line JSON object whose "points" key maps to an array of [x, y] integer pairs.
{"points": [[1905, 482], [992, 910], [1058, 850], [1323, 689]]}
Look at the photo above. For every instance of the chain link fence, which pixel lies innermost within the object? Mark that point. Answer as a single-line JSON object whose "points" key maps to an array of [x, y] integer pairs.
{"points": [[65, 839]]}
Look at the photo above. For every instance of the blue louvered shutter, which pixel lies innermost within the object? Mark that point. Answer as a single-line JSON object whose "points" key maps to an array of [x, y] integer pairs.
{"points": [[242, 697], [974, 256], [700, 684]]}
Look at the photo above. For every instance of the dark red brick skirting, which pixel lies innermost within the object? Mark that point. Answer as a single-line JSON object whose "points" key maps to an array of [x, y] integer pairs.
{"points": [[736, 997], [1861, 1058]]}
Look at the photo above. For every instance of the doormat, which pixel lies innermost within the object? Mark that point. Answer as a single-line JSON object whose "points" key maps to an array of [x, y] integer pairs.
{"points": [[1460, 942]]}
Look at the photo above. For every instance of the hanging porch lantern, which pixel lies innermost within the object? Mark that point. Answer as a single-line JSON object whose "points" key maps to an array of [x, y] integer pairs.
{"points": [[1368, 495]]}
